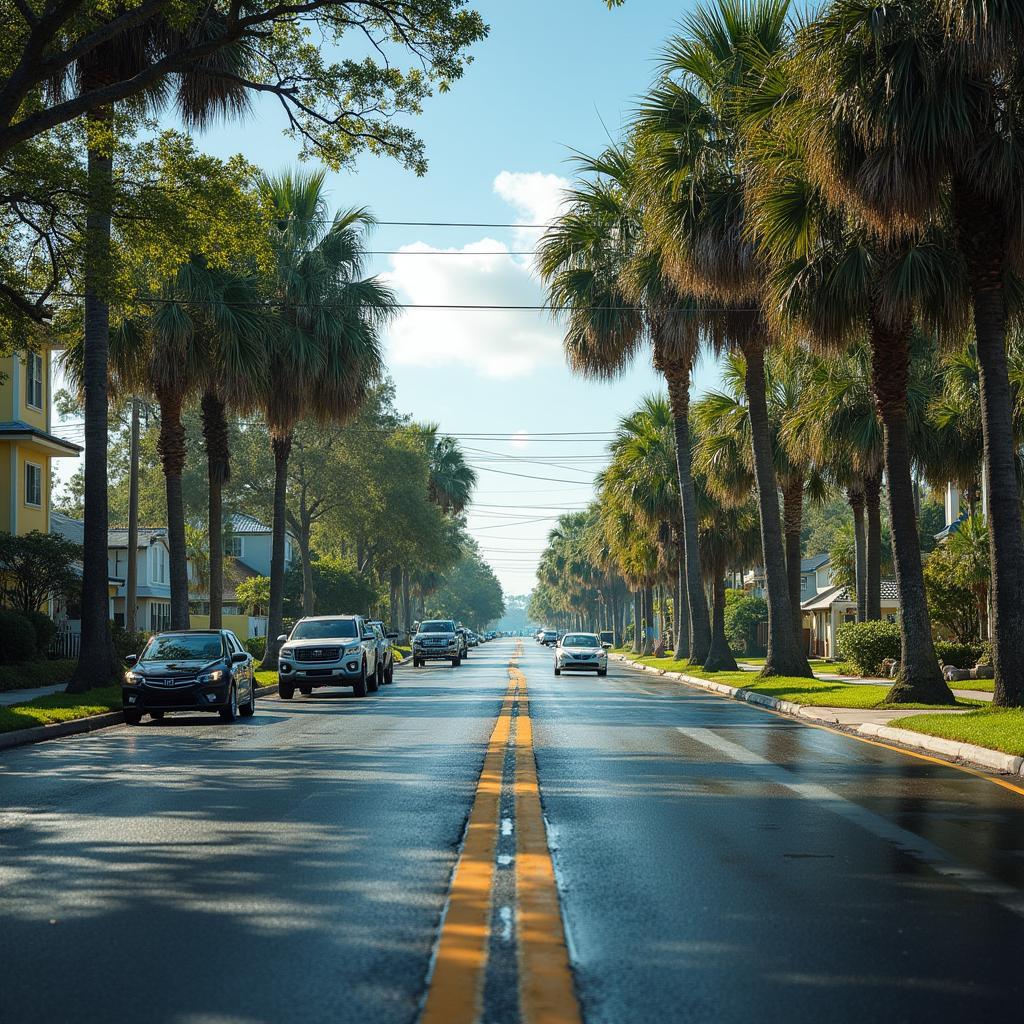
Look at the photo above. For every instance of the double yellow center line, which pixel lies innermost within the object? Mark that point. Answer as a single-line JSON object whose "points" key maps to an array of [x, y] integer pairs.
{"points": [[546, 993]]}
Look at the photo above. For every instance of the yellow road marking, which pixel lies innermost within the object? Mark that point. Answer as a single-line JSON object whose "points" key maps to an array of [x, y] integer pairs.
{"points": [[994, 779], [456, 990], [546, 993]]}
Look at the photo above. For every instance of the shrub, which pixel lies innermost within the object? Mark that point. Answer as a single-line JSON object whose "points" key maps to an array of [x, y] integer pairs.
{"points": [[742, 617], [958, 655], [868, 644], [44, 627], [17, 638], [986, 653], [256, 646], [127, 641], [35, 673]]}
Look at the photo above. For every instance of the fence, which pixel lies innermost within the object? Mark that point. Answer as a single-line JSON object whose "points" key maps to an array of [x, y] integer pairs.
{"points": [[65, 644]]}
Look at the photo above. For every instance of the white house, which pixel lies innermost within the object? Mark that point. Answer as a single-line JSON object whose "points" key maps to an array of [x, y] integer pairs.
{"points": [[833, 606]]}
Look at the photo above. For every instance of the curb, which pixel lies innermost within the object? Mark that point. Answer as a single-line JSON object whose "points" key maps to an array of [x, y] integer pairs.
{"points": [[78, 726], [951, 750]]}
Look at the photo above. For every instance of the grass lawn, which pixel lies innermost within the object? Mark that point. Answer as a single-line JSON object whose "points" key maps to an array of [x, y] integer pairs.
{"points": [[41, 672], [815, 692], [988, 685], [59, 707], [268, 678], [995, 728], [401, 652]]}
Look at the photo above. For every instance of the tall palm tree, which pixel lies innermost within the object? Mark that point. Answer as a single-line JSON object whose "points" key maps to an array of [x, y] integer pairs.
{"points": [[600, 267], [690, 130], [324, 352], [920, 116], [452, 479], [200, 95]]}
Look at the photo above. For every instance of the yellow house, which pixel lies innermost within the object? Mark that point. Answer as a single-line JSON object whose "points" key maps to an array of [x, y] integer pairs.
{"points": [[26, 444]]}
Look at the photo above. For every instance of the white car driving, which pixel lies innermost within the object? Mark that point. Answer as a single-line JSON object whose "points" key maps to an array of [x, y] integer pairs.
{"points": [[581, 652]]}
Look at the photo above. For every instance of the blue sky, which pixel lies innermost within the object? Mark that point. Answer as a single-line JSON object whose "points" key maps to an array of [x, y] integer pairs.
{"points": [[552, 76]]}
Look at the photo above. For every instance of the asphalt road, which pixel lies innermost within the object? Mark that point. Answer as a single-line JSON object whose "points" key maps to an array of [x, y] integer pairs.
{"points": [[714, 862]]}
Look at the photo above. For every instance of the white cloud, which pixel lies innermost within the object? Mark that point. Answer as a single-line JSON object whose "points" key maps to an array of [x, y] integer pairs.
{"points": [[497, 343]]}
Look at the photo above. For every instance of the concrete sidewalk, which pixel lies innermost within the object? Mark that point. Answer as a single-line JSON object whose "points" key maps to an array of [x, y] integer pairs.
{"points": [[9, 697]]}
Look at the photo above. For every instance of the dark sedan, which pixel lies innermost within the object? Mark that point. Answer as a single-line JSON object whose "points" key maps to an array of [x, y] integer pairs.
{"points": [[191, 670]]}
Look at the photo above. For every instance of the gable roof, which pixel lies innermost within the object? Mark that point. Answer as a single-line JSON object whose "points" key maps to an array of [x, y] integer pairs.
{"points": [[241, 523], [843, 595], [72, 529], [118, 538], [19, 428], [815, 562]]}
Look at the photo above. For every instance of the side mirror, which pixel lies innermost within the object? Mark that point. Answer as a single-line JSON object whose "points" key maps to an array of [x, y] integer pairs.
{"points": [[239, 658], [131, 660], [281, 639]]}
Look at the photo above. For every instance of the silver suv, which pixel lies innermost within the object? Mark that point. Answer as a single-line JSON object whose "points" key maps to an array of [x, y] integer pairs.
{"points": [[437, 640], [328, 650]]}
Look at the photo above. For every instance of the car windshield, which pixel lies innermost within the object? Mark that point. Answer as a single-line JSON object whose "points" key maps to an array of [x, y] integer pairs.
{"points": [[579, 640], [183, 647], [324, 629], [440, 626]]}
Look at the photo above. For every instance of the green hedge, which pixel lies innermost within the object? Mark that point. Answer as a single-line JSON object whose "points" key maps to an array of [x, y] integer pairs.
{"points": [[958, 655], [256, 646], [868, 644], [17, 638], [127, 641], [38, 672]]}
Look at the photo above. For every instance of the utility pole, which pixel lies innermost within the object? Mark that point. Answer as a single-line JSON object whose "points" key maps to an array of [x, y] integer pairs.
{"points": [[131, 584]]}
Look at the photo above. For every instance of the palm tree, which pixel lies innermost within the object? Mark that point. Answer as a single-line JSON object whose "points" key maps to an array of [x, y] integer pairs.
{"points": [[690, 129], [200, 95], [600, 268], [324, 351], [919, 116], [452, 479]]}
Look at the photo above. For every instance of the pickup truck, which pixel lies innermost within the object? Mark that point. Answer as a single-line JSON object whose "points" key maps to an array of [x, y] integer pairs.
{"points": [[328, 650], [437, 640]]}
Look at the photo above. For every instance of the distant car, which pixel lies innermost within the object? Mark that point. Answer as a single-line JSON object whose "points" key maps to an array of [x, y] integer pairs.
{"points": [[474, 640], [190, 670], [328, 650], [549, 638], [463, 634], [607, 638], [437, 640], [385, 652], [581, 652]]}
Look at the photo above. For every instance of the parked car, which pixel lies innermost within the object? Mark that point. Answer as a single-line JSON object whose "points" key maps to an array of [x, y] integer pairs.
{"points": [[437, 640], [474, 640], [581, 652], [328, 650], [463, 633], [607, 637], [385, 652], [549, 638], [190, 670]]}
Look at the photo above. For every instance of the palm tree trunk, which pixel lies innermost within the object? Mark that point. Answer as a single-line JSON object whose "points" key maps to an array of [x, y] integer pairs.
{"points": [[784, 657], [97, 661], [699, 625], [720, 657], [637, 639], [873, 570], [308, 596], [982, 237], [855, 497], [406, 605], [920, 678], [282, 445], [647, 648], [218, 472], [172, 451], [682, 623], [792, 519], [395, 583]]}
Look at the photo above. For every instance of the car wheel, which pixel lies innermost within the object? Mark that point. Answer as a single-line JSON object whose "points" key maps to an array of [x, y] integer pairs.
{"points": [[372, 682], [230, 713], [285, 690], [132, 717], [558, 671], [456, 662], [306, 690], [389, 676], [359, 686], [156, 715], [248, 709], [602, 671]]}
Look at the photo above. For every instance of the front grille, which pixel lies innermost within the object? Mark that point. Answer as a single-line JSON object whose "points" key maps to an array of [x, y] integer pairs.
{"points": [[318, 654], [157, 697], [170, 680], [435, 643]]}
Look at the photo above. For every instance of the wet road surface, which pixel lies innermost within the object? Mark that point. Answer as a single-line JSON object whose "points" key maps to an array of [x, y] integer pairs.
{"points": [[713, 862]]}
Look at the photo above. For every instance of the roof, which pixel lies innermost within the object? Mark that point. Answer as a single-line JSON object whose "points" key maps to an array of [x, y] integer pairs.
{"points": [[815, 562], [843, 595], [118, 538], [72, 529], [235, 570], [19, 428], [241, 523]]}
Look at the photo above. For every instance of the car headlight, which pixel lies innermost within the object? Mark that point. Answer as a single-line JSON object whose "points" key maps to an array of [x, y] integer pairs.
{"points": [[134, 678], [286, 652], [212, 677], [352, 649]]}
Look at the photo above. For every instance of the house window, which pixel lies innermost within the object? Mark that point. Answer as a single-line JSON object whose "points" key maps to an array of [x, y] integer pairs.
{"points": [[159, 557], [287, 552], [233, 547], [159, 615], [34, 381], [33, 485]]}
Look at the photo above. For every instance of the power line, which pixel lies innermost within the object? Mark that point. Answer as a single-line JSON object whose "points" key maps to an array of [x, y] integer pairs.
{"points": [[455, 224]]}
